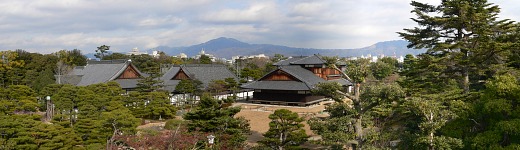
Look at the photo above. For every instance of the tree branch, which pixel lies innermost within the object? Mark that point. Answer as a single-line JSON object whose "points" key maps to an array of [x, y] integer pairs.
{"points": [[369, 107], [345, 94]]}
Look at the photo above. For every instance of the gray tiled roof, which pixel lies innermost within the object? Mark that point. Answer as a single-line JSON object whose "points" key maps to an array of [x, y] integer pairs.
{"points": [[202, 72], [311, 60], [302, 74], [100, 72], [301, 60], [307, 80], [127, 83], [288, 61]]}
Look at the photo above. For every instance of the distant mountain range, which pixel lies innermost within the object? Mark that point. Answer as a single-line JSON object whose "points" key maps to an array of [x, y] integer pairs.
{"points": [[227, 47]]}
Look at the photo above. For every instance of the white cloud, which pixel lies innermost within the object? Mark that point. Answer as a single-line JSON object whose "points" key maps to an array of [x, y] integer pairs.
{"points": [[47, 26], [256, 12], [168, 20]]}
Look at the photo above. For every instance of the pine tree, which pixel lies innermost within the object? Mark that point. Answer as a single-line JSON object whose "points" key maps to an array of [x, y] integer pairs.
{"points": [[463, 32], [355, 112], [210, 117], [285, 130], [498, 115]]}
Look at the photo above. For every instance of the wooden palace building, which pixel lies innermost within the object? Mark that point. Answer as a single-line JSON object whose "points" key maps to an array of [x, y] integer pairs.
{"points": [[291, 83]]}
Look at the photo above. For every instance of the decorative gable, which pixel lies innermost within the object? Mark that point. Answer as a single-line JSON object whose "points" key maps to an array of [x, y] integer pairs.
{"points": [[279, 75], [129, 73], [181, 75]]}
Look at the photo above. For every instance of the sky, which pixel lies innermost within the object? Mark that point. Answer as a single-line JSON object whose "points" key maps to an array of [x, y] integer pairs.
{"points": [[49, 26]]}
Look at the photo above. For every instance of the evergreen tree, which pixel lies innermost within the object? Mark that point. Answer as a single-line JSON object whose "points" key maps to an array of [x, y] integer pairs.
{"points": [[498, 115], [209, 116], [158, 106], [28, 132], [117, 120], [434, 114], [115, 56], [191, 88], [152, 82], [380, 69], [205, 59], [357, 113], [285, 130], [101, 50], [464, 33]]}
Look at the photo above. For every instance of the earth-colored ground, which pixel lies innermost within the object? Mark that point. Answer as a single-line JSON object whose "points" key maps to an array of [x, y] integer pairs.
{"points": [[258, 114]]}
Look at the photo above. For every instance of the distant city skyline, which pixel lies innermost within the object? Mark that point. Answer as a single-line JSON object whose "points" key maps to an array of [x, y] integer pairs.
{"points": [[49, 26]]}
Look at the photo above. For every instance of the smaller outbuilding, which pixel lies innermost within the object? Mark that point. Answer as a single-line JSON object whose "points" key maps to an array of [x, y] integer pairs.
{"points": [[120, 71], [205, 73]]}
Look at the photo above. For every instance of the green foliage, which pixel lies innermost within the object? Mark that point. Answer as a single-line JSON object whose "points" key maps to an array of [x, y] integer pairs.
{"points": [[72, 57], [278, 57], [10, 68], [217, 86], [434, 115], [18, 98], [172, 124], [150, 83], [254, 73], [378, 102], [189, 87], [115, 56], [27, 132], [499, 114], [101, 50], [151, 105], [381, 69], [205, 59], [92, 113], [285, 130], [120, 121], [209, 116], [449, 30], [358, 70], [145, 63], [329, 89], [424, 75]]}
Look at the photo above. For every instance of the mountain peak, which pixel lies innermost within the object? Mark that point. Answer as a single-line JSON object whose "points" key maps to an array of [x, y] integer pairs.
{"points": [[227, 47], [224, 40]]}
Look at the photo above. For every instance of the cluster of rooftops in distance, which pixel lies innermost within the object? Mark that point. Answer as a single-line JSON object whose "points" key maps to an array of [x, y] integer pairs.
{"points": [[292, 79]]}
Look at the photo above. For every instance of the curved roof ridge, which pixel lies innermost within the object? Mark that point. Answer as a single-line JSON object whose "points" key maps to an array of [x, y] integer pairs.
{"points": [[314, 59]]}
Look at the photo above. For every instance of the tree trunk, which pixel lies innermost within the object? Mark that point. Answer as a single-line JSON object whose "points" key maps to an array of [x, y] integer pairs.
{"points": [[430, 147], [358, 107], [465, 65], [465, 81], [280, 147]]}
